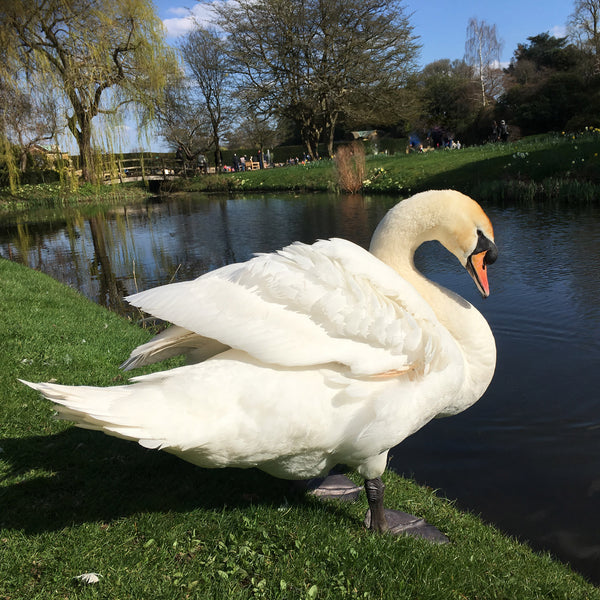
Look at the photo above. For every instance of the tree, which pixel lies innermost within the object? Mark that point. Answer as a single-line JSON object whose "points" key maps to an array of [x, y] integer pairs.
{"points": [[183, 121], [27, 120], [546, 53], [99, 54], [256, 132], [449, 98], [315, 61], [204, 53], [546, 88], [584, 25], [482, 51]]}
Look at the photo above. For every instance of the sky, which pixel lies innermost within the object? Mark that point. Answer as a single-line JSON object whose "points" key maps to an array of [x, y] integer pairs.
{"points": [[440, 24]]}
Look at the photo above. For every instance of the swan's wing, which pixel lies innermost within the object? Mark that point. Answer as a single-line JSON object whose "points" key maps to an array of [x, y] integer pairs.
{"points": [[173, 342], [307, 305]]}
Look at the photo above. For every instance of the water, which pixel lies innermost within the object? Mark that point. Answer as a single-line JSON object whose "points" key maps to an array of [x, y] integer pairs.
{"points": [[526, 456]]}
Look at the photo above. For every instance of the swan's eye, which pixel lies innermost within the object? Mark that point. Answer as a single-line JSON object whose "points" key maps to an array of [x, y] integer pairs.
{"points": [[487, 246]]}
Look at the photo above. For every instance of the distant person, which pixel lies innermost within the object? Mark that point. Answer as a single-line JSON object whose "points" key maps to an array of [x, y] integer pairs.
{"points": [[437, 137], [202, 163], [236, 163], [495, 132], [503, 131]]}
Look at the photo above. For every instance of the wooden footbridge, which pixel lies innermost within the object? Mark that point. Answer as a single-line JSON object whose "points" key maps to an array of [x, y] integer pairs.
{"points": [[152, 169]]}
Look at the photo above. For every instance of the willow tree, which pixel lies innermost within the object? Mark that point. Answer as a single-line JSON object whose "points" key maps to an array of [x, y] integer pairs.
{"points": [[313, 62], [97, 56]]}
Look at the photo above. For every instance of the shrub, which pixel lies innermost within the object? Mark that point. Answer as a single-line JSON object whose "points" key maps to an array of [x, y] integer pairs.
{"points": [[350, 166]]}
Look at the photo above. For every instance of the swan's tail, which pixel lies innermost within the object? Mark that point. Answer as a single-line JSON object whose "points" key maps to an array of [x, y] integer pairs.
{"points": [[100, 409]]}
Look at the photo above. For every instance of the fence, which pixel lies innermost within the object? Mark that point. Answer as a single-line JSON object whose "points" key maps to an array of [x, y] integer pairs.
{"points": [[140, 169]]}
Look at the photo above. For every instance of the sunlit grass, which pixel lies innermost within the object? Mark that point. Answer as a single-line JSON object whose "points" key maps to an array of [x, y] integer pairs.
{"points": [[553, 167], [55, 195], [154, 527]]}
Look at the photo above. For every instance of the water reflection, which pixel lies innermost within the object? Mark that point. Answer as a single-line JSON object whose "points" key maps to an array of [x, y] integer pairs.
{"points": [[126, 249], [526, 456]]}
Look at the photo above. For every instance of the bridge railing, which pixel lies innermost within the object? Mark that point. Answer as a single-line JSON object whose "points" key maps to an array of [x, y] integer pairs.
{"points": [[148, 167]]}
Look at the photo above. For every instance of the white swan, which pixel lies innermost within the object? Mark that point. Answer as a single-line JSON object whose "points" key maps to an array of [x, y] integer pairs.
{"points": [[312, 356]]}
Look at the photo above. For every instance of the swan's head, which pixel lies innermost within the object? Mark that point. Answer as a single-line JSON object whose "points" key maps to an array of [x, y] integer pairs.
{"points": [[452, 218], [466, 231]]}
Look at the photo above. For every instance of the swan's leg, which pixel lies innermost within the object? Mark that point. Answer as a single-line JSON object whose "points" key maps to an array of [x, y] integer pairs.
{"points": [[375, 489], [395, 521]]}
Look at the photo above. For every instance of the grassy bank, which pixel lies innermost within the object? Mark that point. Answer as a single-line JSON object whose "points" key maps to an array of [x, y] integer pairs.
{"points": [[563, 167], [553, 167], [55, 195], [152, 526]]}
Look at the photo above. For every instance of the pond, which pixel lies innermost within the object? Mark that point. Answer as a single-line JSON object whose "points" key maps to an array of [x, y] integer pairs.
{"points": [[526, 457]]}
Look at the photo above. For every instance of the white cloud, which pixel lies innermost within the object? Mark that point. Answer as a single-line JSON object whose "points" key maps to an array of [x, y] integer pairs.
{"points": [[499, 64], [559, 31], [184, 19]]}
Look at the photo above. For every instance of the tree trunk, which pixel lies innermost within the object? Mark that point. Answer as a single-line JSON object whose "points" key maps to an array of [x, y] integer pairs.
{"points": [[304, 123], [218, 157], [88, 172], [331, 133], [481, 76], [81, 127], [23, 160], [311, 135]]}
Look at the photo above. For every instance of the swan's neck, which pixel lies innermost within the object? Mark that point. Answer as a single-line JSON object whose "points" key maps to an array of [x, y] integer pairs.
{"points": [[465, 323]]}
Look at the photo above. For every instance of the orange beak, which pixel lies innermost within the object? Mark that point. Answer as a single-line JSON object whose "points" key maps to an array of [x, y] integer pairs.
{"points": [[477, 269]]}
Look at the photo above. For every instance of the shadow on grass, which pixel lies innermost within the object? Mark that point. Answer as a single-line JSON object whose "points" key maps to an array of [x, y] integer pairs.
{"points": [[525, 167], [80, 476]]}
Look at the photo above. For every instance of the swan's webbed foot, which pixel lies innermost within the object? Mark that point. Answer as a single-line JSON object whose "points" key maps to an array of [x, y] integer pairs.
{"points": [[334, 487], [394, 521]]}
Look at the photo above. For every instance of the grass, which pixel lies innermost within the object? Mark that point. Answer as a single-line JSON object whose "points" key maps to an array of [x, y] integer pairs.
{"points": [[152, 526], [563, 168], [57, 196], [549, 168]]}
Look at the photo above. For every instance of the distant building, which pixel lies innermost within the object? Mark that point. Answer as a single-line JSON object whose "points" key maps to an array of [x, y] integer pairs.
{"points": [[368, 135]]}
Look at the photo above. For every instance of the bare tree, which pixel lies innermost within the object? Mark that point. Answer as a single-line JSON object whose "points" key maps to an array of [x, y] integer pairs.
{"points": [[100, 55], [204, 53], [584, 27], [482, 51], [27, 120], [182, 119], [257, 132], [313, 62]]}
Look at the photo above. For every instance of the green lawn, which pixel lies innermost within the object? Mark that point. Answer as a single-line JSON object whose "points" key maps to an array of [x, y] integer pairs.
{"points": [[553, 167], [549, 168], [74, 501]]}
